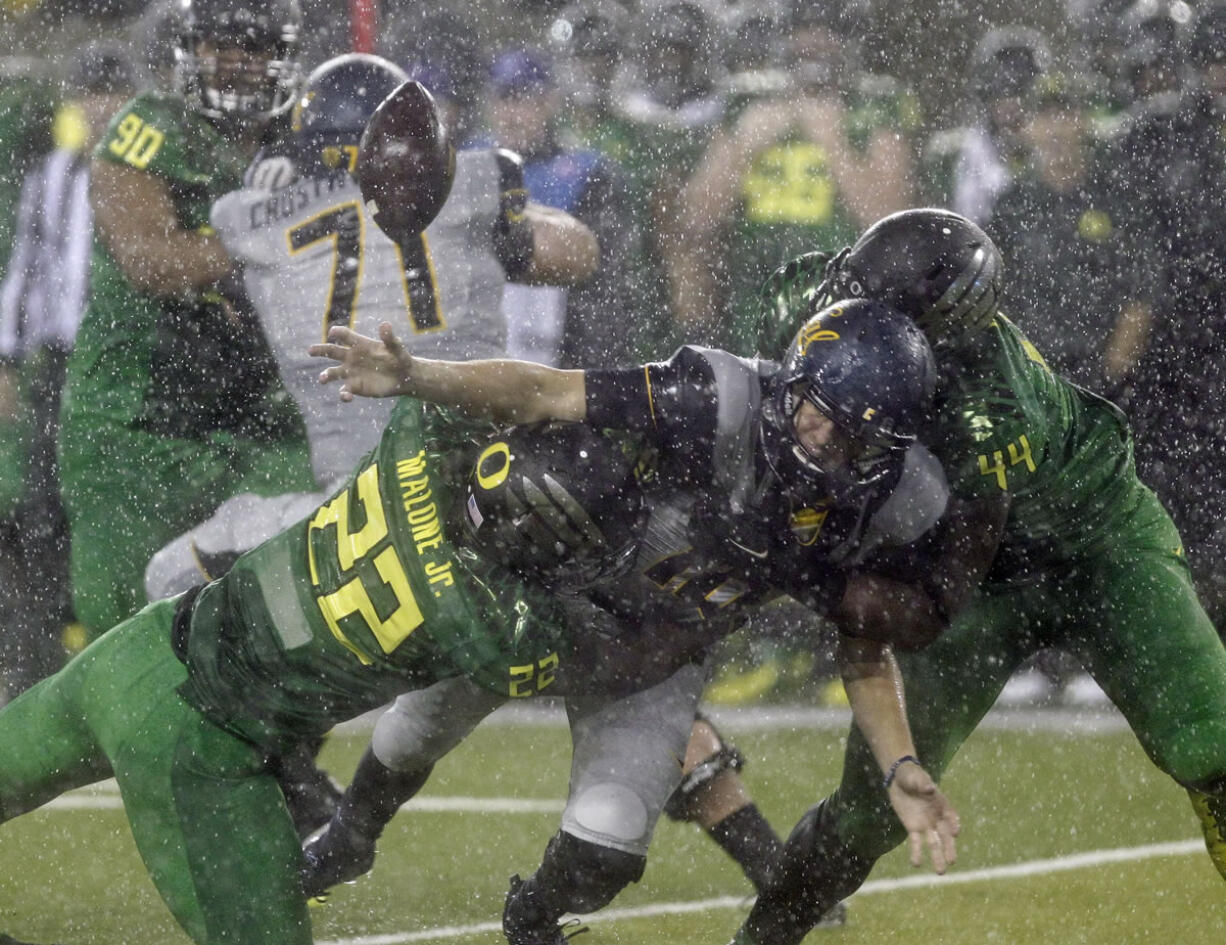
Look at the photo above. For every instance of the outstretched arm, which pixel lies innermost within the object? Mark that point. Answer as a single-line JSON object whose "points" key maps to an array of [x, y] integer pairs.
{"points": [[875, 691], [503, 390]]}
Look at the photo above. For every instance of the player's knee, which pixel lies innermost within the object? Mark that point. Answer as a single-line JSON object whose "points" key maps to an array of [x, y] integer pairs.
{"points": [[593, 873], [614, 813], [1195, 761], [705, 740], [1211, 783], [406, 742]]}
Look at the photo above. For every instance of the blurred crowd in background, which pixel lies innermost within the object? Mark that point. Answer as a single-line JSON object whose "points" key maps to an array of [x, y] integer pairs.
{"points": [[706, 143]]}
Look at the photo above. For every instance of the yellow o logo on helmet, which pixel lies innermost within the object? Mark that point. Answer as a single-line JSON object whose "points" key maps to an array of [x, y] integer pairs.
{"points": [[492, 480]]}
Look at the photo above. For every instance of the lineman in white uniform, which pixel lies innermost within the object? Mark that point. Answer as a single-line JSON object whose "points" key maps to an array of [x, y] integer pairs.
{"points": [[312, 258]]}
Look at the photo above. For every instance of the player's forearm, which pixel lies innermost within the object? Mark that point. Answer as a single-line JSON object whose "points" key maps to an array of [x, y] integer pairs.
{"points": [[565, 251], [503, 390], [970, 537], [136, 221], [875, 691]]}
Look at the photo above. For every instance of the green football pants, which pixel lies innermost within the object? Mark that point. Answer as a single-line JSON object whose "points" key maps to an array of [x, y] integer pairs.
{"points": [[209, 822], [128, 493], [1132, 617]]}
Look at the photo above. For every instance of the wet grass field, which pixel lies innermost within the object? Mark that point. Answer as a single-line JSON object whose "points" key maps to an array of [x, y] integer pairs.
{"points": [[1069, 836]]}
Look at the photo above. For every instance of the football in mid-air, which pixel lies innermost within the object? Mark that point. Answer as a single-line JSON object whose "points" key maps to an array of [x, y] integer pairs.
{"points": [[405, 162]]}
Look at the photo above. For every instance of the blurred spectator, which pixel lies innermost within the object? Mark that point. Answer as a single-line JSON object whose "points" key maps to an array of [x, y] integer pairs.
{"points": [[669, 101], [1068, 269], [1147, 166], [1171, 166], [42, 299], [585, 325], [590, 37], [1152, 65], [799, 168], [752, 67], [967, 168], [1097, 55]]}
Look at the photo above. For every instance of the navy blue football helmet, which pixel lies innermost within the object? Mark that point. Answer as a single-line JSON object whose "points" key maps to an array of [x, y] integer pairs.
{"points": [[869, 369], [337, 100]]}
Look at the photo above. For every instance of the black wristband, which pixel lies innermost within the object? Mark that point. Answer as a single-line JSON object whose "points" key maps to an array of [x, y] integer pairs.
{"points": [[898, 763]]}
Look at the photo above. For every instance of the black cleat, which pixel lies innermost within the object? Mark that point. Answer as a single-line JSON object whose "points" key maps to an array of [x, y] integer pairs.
{"points": [[335, 855], [9, 940], [521, 928]]}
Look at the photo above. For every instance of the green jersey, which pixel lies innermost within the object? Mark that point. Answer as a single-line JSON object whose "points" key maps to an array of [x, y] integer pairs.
{"points": [[145, 360], [368, 597], [1006, 423]]}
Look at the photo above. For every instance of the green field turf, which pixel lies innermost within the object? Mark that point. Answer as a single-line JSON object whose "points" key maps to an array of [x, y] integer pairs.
{"points": [[1032, 802]]}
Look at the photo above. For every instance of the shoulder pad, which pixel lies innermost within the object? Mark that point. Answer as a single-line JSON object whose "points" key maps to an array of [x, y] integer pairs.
{"points": [[735, 384], [915, 505]]}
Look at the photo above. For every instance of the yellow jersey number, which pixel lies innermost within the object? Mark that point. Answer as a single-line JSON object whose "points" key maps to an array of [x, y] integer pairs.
{"points": [[356, 545], [532, 678], [993, 464], [135, 141], [345, 227]]}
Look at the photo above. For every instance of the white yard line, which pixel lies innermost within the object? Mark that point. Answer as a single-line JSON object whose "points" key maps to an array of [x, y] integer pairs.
{"points": [[1076, 861], [1057, 721], [105, 796]]}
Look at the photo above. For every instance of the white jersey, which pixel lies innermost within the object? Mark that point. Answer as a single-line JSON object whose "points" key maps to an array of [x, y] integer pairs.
{"points": [[314, 258]]}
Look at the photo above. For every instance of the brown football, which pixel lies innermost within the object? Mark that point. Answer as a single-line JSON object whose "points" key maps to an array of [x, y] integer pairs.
{"points": [[406, 162]]}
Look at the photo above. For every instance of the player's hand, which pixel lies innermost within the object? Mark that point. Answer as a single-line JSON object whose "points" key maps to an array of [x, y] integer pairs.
{"points": [[764, 122], [367, 367], [929, 817]]}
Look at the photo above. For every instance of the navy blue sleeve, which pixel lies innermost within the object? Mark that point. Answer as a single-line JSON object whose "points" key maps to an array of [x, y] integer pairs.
{"points": [[673, 403]]}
